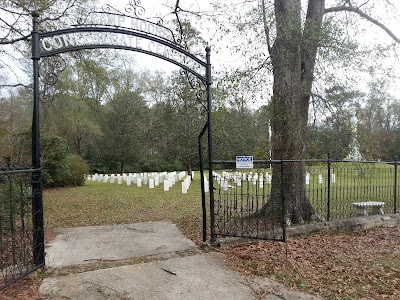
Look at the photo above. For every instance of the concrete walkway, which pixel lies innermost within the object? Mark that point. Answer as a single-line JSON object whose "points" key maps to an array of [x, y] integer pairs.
{"points": [[172, 268]]}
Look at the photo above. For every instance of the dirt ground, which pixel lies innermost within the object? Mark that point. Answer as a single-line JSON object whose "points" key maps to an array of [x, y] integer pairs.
{"points": [[363, 265]]}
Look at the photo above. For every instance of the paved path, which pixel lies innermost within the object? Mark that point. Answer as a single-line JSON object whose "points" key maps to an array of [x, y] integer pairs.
{"points": [[170, 267]]}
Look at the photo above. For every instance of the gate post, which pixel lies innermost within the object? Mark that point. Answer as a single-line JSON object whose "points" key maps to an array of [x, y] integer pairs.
{"points": [[395, 186], [284, 213], [210, 169], [37, 200], [203, 195], [328, 215]]}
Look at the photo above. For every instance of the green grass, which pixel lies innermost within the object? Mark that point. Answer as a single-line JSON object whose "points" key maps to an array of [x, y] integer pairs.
{"points": [[355, 182], [98, 203], [104, 203]]}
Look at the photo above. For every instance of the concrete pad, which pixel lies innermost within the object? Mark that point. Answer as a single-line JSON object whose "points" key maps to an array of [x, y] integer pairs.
{"points": [[198, 277], [82, 245]]}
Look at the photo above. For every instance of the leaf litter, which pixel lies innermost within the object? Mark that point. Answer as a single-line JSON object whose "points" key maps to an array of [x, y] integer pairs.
{"points": [[364, 265]]}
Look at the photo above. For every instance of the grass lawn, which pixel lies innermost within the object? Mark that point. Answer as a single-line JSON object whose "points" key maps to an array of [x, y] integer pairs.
{"points": [[98, 203]]}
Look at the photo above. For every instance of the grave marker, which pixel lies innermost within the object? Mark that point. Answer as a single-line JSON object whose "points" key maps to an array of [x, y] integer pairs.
{"points": [[151, 183]]}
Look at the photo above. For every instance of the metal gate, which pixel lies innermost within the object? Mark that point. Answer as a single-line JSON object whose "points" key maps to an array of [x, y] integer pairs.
{"points": [[18, 232], [241, 200]]}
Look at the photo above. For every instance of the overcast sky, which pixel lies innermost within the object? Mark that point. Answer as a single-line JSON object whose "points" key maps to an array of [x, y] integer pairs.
{"points": [[220, 56], [224, 57]]}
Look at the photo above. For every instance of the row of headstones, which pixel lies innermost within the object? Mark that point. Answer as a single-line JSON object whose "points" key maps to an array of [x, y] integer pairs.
{"points": [[187, 181], [320, 178], [238, 178], [152, 179]]}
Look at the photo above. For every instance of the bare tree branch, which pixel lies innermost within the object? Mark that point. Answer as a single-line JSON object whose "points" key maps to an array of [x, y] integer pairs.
{"points": [[363, 15], [13, 29], [13, 41], [266, 28], [14, 85], [62, 14]]}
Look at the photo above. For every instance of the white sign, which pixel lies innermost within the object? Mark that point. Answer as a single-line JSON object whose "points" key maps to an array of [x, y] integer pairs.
{"points": [[244, 162]]}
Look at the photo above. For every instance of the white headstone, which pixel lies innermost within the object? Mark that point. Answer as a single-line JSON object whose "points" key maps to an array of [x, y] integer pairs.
{"points": [[151, 183], [166, 185], [139, 182], [307, 178], [145, 178], [225, 185], [333, 176], [206, 185], [267, 178], [320, 180], [184, 187]]}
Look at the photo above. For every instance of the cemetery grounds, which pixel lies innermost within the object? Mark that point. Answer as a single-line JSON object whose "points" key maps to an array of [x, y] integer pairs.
{"points": [[345, 265]]}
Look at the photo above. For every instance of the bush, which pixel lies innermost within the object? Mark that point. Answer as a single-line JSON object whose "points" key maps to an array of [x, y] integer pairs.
{"points": [[59, 167], [54, 154], [77, 168]]}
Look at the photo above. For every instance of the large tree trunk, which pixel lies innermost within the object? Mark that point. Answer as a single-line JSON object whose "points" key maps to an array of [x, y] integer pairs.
{"points": [[293, 58]]}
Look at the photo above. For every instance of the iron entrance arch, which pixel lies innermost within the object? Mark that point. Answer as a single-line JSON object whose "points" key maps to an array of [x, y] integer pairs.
{"points": [[114, 31]]}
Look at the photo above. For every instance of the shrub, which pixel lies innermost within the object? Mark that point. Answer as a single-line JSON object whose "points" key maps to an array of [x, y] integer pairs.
{"points": [[59, 167], [54, 153], [77, 168]]}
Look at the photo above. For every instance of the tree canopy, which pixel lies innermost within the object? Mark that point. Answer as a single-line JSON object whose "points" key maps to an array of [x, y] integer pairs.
{"points": [[299, 61]]}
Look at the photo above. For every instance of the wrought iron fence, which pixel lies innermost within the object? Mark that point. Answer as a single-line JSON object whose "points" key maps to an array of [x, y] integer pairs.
{"points": [[240, 202], [246, 204], [333, 186], [16, 228]]}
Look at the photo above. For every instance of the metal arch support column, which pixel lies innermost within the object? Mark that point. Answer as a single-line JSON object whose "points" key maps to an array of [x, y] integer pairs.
{"points": [[210, 168], [202, 183], [37, 196]]}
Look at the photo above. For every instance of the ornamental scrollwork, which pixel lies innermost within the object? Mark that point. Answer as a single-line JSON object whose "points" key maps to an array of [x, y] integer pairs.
{"points": [[36, 178], [198, 87], [50, 68], [133, 8], [49, 71]]}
